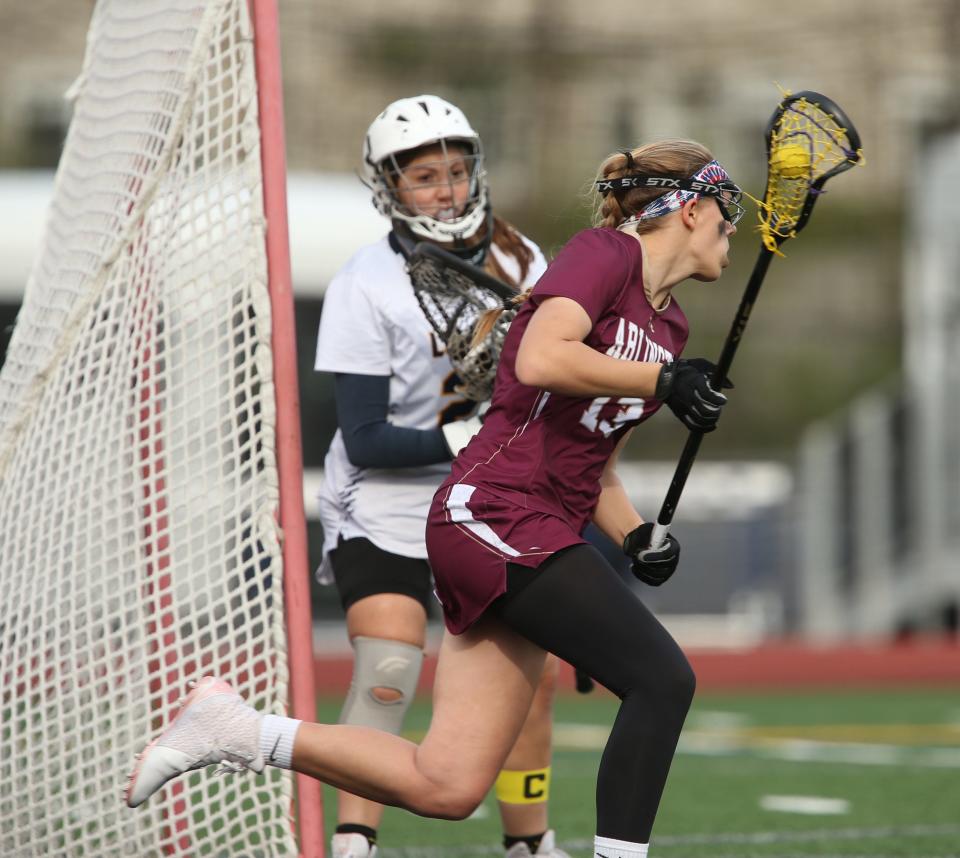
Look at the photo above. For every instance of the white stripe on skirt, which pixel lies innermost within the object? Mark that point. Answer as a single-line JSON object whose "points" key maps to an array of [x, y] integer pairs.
{"points": [[456, 504]]}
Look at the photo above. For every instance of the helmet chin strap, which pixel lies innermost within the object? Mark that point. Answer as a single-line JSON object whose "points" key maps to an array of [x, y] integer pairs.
{"points": [[475, 254]]}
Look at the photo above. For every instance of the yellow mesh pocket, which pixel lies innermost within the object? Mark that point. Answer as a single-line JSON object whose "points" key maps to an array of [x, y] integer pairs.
{"points": [[808, 140]]}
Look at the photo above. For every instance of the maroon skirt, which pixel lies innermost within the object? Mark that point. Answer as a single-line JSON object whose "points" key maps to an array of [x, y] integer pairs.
{"points": [[472, 535]]}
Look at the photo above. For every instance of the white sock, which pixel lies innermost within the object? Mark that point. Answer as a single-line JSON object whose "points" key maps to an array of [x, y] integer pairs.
{"points": [[276, 740], [607, 847]]}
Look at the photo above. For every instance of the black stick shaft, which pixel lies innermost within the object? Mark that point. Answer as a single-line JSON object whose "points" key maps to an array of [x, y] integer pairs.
{"points": [[690, 449]]}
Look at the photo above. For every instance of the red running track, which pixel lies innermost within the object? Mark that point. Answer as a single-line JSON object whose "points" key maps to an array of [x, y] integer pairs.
{"points": [[772, 666]]}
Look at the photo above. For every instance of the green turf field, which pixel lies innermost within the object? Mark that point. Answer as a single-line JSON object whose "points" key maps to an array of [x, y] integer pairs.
{"points": [[858, 774]]}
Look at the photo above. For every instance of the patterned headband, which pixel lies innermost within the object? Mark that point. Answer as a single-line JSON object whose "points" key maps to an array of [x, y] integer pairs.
{"points": [[711, 179]]}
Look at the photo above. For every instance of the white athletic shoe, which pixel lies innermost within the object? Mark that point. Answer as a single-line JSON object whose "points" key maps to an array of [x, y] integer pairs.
{"points": [[213, 725], [546, 849], [351, 846]]}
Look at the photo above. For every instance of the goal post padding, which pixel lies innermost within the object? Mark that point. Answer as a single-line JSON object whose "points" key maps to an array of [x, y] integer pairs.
{"points": [[139, 541]]}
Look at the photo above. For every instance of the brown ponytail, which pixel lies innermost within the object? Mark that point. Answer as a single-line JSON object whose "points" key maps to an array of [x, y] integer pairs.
{"points": [[507, 239]]}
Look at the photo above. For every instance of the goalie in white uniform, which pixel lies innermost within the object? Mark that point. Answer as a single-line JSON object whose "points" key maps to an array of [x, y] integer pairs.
{"points": [[401, 422]]}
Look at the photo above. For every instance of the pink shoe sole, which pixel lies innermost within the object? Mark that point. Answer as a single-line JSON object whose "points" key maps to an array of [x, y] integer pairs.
{"points": [[208, 686]]}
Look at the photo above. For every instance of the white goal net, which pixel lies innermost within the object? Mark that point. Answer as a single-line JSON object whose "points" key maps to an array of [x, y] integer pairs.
{"points": [[139, 547]]}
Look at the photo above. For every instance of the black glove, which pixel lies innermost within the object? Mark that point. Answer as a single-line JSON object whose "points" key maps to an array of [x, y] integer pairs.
{"points": [[686, 387], [651, 565]]}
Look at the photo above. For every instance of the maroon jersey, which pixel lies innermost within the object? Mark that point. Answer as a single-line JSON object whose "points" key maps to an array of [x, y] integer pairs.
{"points": [[527, 483]]}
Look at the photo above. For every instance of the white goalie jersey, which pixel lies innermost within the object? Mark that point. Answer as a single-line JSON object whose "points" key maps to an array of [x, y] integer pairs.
{"points": [[372, 325]]}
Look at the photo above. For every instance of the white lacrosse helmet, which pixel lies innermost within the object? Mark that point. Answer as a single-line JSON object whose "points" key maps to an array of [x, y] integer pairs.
{"points": [[409, 124]]}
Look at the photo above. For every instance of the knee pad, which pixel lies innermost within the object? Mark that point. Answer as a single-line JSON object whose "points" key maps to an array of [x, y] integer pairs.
{"points": [[385, 665]]}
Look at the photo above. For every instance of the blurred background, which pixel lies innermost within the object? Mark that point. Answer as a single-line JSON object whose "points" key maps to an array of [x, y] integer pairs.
{"points": [[827, 506]]}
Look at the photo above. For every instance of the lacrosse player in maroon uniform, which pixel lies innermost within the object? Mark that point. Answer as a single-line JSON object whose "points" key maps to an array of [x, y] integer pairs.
{"points": [[594, 351]]}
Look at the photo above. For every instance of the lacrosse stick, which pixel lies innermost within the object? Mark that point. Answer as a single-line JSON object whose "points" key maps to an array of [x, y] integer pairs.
{"points": [[453, 295], [809, 140]]}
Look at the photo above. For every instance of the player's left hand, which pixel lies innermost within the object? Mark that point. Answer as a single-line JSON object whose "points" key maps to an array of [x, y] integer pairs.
{"points": [[653, 566]]}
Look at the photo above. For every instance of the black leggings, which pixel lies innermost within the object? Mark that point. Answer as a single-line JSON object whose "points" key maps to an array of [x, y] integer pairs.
{"points": [[577, 607]]}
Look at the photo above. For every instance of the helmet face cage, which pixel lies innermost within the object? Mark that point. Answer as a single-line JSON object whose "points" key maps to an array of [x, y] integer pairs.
{"points": [[411, 124], [459, 225]]}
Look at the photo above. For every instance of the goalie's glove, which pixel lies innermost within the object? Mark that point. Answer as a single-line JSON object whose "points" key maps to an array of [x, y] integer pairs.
{"points": [[458, 433], [686, 387], [651, 565]]}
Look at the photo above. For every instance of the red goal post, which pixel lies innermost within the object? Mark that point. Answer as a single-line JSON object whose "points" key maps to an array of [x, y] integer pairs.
{"points": [[289, 448], [151, 508]]}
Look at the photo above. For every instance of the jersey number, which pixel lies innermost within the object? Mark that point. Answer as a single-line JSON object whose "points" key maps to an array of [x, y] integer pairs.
{"points": [[630, 409]]}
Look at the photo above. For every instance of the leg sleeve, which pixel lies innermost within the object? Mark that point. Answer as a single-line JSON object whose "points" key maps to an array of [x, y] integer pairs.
{"points": [[577, 607]]}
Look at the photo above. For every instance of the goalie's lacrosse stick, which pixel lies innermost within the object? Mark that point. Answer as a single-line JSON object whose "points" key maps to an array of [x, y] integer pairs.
{"points": [[809, 140], [453, 295]]}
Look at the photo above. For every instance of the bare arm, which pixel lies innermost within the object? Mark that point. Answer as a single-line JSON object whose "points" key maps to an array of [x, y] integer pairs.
{"points": [[614, 514], [553, 356]]}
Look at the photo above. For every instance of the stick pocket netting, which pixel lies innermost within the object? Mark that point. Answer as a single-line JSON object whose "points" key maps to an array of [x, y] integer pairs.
{"points": [[806, 144], [454, 304]]}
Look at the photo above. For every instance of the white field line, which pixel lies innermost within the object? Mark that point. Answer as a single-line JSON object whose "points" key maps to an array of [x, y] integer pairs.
{"points": [[732, 740], [758, 838], [812, 805], [814, 751]]}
